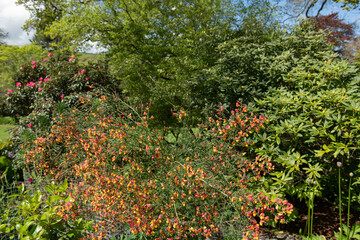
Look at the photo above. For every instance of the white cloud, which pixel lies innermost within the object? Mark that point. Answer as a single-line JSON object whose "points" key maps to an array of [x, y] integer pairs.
{"points": [[12, 18]]}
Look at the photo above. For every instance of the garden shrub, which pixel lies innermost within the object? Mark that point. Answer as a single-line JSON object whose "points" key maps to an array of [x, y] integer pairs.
{"points": [[313, 124], [33, 214], [126, 172], [52, 78], [248, 67], [47, 87]]}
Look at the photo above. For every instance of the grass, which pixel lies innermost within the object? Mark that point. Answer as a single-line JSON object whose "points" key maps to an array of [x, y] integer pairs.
{"points": [[4, 131]]}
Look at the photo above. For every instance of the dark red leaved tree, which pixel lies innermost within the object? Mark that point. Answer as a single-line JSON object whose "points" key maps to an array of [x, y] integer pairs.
{"points": [[339, 32]]}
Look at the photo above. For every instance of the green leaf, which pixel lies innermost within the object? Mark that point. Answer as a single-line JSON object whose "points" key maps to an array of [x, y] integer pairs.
{"points": [[25, 227], [63, 186], [50, 189], [39, 231], [54, 198], [3, 227], [332, 137]]}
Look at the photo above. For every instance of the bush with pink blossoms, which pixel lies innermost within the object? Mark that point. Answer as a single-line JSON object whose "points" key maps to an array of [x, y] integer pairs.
{"points": [[52, 78]]}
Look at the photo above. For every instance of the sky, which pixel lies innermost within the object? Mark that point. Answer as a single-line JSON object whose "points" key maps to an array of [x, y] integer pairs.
{"points": [[13, 17]]}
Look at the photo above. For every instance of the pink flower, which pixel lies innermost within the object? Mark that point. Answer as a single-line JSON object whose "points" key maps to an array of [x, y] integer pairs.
{"points": [[18, 84], [9, 91], [87, 78], [98, 66], [49, 54], [30, 180], [62, 96], [45, 59], [40, 79], [30, 125], [81, 71], [33, 62], [33, 66], [75, 75], [31, 84], [73, 56], [39, 89], [70, 59], [46, 79]]}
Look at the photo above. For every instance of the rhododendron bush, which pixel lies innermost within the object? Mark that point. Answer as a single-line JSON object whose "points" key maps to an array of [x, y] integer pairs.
{"points": [[127, 173], [52, 79]]}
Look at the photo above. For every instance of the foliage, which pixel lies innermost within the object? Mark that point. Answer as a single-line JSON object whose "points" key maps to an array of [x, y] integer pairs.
{"points": [[314, 119], [349, 233], [200, 185], [43, 13], [35, 215], [7, 120], [250, 65], [297, 8], [158, 48], [339, 33], [41, 84], [13, 57], [6, 171]]}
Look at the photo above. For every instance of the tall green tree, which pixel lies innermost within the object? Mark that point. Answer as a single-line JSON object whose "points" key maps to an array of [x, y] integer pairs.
{"points": [[154, 46], [43, 14], [158, 48]]}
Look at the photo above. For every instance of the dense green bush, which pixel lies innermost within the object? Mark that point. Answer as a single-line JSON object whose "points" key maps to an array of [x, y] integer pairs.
{"points": [[248, 66], [314, 123]]}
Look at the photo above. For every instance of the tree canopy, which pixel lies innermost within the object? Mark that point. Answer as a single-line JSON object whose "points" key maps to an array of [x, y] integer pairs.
{"points": [[314, 8], [156, 47]]}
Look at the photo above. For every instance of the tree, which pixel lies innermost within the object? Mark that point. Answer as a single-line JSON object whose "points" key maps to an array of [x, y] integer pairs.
{"points": [[158, 48], [154, 46], [3, 35], [339, 33], [313, 8], [43, 14], [352, 50]]}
